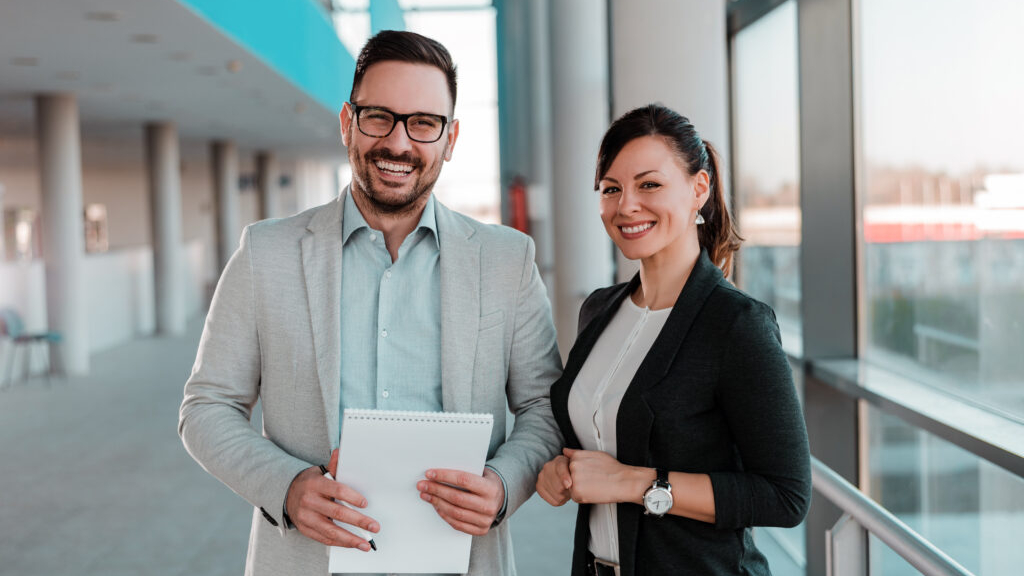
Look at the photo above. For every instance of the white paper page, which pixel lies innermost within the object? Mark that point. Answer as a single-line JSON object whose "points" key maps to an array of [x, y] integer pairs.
{"points": [[383, 455]]}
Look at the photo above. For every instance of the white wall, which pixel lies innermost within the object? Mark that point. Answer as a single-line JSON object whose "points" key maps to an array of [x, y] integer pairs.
{"points": [[119, 292]]}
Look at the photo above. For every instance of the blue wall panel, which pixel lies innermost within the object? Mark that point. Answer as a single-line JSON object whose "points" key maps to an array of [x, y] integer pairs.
{"points": [[294, 37]]}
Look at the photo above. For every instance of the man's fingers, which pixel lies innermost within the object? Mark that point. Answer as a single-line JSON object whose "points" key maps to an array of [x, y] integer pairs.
{"points": [[345, 493], [461, 519], [329, 533], [332, 466], [456, 497], [460, 479], [348, 515]]}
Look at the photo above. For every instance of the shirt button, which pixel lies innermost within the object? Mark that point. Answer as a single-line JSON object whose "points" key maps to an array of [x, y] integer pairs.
{"points": [[373, 237], [385, 394], [384, 333], [387, 274]]}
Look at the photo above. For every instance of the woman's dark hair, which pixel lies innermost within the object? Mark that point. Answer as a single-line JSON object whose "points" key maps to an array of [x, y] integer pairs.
{"points": [[388, 45], [717, 235]]}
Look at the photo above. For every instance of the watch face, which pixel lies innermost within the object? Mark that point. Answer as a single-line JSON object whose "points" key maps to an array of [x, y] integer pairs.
{"points": [[658, 501]]}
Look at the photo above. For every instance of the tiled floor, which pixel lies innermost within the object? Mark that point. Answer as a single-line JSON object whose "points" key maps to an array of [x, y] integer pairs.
{"points": [[94, 479]]}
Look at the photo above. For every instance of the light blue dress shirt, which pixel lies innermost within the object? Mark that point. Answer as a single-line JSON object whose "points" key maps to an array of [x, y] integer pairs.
{"points": [[390, 316]]}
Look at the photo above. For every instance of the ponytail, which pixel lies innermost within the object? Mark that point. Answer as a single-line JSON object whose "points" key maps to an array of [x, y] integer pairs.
{"points": [[718, 234]]}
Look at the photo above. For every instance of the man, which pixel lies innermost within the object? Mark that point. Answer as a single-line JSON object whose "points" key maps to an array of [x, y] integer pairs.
{"points": [[382, 298]]}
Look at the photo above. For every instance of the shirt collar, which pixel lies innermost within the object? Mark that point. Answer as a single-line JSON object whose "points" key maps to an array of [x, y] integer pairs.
{"points": [[353, 219]]}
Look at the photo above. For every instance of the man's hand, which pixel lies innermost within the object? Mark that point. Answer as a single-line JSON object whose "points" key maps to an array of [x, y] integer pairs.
{"points": [[554, 481], [311, 506], [469, 503]]}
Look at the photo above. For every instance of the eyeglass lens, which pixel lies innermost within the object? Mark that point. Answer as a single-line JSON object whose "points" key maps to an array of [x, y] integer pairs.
{"points": [[420, 127]]}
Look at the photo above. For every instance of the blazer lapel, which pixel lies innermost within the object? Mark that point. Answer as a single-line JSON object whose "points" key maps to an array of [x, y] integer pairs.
{"points": [[636, 418], [460, 308], [585, 342], [321, 265], [633, 423]]}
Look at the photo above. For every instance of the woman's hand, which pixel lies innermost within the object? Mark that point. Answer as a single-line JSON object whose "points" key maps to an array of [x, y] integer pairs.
{"points": [[598, 478], [554, 481]]}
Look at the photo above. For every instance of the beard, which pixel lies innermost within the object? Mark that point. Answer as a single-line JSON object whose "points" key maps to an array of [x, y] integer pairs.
{"points": [[385, 198]]}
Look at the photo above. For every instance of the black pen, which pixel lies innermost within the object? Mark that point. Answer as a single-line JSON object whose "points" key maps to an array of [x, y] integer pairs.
{"points": [[361, 533]]}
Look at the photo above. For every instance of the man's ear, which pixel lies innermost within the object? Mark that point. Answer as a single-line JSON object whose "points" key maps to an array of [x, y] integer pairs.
{"points": [[346, 123], [453, 135]]}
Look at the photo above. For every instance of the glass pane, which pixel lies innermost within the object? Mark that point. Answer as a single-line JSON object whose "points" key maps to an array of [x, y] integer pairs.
{"points": [[766, 164], [469, 183], [967, 507], [943, 190]]}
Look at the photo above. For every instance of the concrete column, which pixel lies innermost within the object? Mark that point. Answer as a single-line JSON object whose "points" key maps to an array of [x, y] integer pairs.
{"points": [[681, 63], [165, 213], [60, 176], [579, 117], [225, 186], [267, 176]]}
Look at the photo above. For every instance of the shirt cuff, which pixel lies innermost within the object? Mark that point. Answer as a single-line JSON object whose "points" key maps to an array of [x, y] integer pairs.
{"points": [[504, 503]]}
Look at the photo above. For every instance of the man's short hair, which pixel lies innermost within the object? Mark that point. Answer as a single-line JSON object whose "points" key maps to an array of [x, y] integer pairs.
{"points": [[404, 46]]}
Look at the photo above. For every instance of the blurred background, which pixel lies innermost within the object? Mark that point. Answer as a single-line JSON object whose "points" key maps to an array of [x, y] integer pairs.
{"points": [[873, 159]]}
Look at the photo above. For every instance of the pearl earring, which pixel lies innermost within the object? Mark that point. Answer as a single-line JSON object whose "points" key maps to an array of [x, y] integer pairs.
{"points": [[700, 218]]}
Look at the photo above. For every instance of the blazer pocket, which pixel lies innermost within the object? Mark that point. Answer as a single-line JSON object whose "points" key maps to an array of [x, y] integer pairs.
{"points": [[496, 318]]}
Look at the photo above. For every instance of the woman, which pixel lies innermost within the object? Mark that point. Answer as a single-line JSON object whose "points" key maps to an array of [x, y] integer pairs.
{"points": [[682, 424]]}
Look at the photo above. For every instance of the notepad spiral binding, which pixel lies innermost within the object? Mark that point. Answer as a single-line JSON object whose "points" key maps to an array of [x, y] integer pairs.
{"points": [[415, 416]]}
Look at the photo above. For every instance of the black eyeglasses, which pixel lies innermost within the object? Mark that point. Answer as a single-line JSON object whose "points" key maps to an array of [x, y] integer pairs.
{"points": [[379, 122]]}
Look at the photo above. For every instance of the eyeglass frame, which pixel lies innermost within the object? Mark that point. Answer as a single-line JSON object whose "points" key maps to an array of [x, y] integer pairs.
{"points": [[398, 118]]}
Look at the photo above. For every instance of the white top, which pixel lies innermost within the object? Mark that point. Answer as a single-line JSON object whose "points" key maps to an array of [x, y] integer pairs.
{"points": [[596, 394]]}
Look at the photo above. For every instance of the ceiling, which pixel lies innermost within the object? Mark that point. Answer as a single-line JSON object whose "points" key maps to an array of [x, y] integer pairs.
{"points": [[133, 61]]}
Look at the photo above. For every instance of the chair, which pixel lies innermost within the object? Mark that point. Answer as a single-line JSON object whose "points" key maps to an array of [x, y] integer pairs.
{"points": [[13, 328]]}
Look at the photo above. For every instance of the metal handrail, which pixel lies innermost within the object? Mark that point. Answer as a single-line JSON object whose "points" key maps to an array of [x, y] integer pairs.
{"points": [[919, 552]]}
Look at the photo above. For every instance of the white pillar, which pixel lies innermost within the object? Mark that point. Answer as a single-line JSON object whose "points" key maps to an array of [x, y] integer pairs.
{"points": [[165, 212], [267, 175], [579, 103], [681, 63], [225, 184], [60, 175], [540, 192]]}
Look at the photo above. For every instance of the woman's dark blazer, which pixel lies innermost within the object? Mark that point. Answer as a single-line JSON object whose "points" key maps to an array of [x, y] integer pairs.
{"points": [[714, 395]]}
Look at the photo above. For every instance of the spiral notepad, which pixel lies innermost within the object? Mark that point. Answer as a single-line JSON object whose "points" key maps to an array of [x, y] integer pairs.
{"points": [[383, 454]]}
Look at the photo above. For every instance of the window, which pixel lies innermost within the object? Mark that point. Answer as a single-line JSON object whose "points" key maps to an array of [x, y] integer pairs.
{"points": [[942, 183], [766, 163], [469, 184], [967, 507]]}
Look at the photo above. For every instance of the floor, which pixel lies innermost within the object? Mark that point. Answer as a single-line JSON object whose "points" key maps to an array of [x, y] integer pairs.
{"points": [[94, 479]]}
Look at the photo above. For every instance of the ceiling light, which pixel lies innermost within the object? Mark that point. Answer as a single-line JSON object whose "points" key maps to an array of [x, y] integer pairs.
{"points": [[25, 61], [234, 66], [145, 38], [300, 107], [103, 16]]}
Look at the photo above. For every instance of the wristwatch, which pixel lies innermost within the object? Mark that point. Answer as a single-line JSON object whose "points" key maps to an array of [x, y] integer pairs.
{"points": [[658, 498]]}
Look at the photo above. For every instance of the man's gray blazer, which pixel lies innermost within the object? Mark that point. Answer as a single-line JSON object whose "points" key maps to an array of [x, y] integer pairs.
{"points": [[273, 332]]}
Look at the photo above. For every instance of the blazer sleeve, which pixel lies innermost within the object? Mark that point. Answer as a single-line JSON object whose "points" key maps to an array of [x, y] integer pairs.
{"points": [[220, 394], [534, 363], [757, 394]]}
